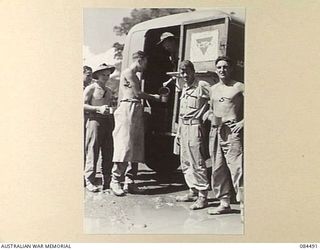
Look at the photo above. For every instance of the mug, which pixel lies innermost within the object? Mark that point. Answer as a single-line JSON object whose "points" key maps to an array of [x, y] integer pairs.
{"points": [[164, 94]]}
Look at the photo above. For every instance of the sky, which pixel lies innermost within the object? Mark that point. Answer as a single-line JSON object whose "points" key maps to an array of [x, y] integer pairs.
{"points": [[98, 28], [98, 35]]}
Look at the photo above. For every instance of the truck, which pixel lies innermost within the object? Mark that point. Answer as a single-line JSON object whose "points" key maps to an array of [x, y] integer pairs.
{"points": [[201, 36]]}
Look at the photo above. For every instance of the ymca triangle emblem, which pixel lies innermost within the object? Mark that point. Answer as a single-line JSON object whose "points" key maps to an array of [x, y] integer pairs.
{"points": [[203, 44]]}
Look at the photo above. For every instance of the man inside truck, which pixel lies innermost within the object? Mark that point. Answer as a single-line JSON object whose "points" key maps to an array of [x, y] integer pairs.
{"points": [[128, 133], [226, 136], [190, 136], [170, 44]]}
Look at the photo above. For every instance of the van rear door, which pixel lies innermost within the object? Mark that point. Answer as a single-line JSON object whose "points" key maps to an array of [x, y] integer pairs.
{"points": [[205, 39]]}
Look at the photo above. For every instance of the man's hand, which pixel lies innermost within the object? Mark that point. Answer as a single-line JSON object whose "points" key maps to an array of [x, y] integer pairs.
{"points": [[235, 128], [167, 82], [103, 110], [208, 115], [156, 97]]}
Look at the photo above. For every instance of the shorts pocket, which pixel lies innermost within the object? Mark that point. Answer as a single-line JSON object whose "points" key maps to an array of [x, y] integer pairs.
{"points": [[194, 135]]}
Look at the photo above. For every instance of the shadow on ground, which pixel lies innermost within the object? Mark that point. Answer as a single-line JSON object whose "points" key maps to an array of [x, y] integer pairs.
{"points": [[155, 183]]}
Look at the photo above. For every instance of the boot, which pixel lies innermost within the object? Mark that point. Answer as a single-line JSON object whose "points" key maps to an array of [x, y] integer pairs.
{"points": [[116, 188], [200, 203]]}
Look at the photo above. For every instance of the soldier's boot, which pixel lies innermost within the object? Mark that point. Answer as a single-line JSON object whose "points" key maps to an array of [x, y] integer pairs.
{"points": [[92, 188], [116, 188], [223, 208], [200, 203], [189, 197]]}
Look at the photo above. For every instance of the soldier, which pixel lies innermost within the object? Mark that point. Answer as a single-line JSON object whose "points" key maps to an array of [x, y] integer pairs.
{"points": [[87, 76], [171, 46], [128, 133], [226, 116], [97, 102], [193, 104]]}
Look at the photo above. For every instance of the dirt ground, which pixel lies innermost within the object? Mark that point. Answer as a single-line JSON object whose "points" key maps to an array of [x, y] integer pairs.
{"points": [[155, 211]]}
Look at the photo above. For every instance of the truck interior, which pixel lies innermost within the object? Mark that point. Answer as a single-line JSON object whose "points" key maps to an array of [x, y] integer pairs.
{"points": [[159, 123], [156, 74]]}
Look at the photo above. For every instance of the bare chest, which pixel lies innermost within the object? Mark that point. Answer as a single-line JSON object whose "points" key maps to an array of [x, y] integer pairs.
{"points": [[101, 97], [224, 93]]}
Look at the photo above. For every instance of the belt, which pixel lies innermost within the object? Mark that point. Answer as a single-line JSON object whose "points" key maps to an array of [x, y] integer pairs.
{"points": [[95, 116], [130, 100], [191, 122], [226, 123]]}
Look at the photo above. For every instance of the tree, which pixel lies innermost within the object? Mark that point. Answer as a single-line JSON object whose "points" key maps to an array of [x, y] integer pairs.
{"points": [[138, 16]]}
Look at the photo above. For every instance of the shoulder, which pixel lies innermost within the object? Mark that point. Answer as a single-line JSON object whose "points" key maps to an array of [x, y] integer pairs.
{"points": [[214, 86], [90, 88], [203, 84], [204, 88], [108, 89], [128, 72], [239, 85]]}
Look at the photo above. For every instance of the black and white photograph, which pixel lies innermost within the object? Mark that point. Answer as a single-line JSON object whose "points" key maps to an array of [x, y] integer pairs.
{"points": [[196, 123], [163, 121]]}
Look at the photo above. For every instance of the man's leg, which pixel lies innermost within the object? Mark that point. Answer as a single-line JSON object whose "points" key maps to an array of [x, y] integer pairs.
{"points": [[118, 171], [192, 195], [185, 166], [221, 179], [199, 168], [107, 152], [92, 149], [85, 116], [130, 176], [196, 173], [85, 120], [234, 157], [131, 172]]}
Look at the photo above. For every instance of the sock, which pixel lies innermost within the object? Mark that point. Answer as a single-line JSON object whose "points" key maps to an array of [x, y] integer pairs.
{"points": [[203, 193], [225, 202]]}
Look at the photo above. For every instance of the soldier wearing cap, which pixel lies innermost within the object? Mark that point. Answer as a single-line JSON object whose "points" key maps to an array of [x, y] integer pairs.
{"points": [[193, 104], [87, 76], [170, 44], [97, 102], [128, 133], [226, 116]]}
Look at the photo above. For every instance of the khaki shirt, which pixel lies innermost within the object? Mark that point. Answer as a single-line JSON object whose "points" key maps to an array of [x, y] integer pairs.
{"points": [[194, 100]]}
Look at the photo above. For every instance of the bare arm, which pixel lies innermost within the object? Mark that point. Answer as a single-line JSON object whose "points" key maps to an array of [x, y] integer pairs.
{"points": [[241, 88], [204, 100], [135, 84], [239, 125], [209, 114], [87, 95]]}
